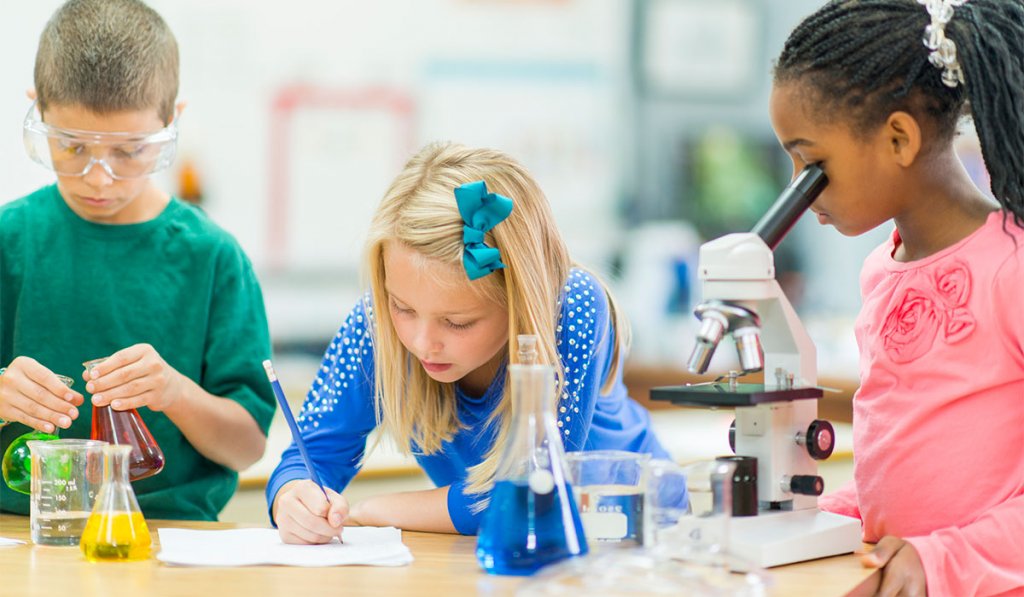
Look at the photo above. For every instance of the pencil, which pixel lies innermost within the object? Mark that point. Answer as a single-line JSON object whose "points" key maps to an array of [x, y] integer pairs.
{"points": [[287, 411]]}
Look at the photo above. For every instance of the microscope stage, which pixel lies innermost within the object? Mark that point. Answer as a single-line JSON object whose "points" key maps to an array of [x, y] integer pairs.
{"points": [[726, 394]]}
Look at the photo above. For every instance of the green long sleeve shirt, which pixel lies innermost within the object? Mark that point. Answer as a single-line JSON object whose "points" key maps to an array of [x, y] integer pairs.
{"points": [[73, 290]]}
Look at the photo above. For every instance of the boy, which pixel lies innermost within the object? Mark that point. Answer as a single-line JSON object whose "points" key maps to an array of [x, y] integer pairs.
{"points": [[104, 264]]}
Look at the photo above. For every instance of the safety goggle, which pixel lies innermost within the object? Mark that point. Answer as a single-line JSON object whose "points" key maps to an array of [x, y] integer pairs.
{"points": [[74, 153]]}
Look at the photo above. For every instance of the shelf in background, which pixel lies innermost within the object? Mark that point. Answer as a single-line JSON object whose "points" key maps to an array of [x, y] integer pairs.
{"points": [[836, 406]]}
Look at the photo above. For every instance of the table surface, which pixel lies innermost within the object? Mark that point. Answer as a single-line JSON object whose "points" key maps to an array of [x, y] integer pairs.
{"points": [[444, 565]]}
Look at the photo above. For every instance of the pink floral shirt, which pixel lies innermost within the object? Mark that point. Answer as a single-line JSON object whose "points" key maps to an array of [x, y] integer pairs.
{"points": [[939, 416]]}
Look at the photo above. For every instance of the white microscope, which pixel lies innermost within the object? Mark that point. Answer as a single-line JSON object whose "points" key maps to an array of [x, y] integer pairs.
{"points": [[777, 436]]}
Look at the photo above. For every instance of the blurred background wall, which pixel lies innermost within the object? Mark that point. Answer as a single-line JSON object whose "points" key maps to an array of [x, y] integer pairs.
{"points": [[645, 122]]}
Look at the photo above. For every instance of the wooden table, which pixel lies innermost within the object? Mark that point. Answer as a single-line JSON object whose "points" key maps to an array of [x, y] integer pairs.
{"points": [[444, 565]]}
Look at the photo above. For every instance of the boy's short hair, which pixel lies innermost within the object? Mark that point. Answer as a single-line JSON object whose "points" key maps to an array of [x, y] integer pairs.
{"points": [[107, 56]]}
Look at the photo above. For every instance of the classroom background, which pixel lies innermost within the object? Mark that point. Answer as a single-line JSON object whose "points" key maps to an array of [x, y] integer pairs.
{"points": [[645, 122]]}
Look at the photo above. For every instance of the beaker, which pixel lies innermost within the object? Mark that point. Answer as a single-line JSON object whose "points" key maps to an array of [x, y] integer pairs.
{"points": [[126, 427], [609, 490], [17, 463], [687, 511], [532, 519], [66, 477], [116, 529]]}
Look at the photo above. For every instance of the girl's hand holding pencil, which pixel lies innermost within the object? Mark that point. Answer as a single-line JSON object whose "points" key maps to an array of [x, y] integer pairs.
{"points": [[305, 516], [305, 510]]}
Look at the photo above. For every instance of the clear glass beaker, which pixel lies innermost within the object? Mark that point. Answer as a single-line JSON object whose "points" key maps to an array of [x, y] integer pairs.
{"points": [[686, 520], [17, 462], [116, 529], [66, 477], [532, 519], [126, 427], [609, 490], [687, 510]]}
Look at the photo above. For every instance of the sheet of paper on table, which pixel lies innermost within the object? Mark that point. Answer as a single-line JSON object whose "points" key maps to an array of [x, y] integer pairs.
{"points": [[371, 546]]}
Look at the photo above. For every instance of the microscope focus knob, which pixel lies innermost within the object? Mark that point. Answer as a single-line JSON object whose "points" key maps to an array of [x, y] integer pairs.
{"points": [[806, 484], [732, 436], [820, 439]]}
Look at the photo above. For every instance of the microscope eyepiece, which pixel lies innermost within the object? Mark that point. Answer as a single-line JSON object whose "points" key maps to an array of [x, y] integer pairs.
{"points": [[793, 201]]}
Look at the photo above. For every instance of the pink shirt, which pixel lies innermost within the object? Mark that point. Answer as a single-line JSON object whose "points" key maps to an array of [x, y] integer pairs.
{"points": [[939, 416]]}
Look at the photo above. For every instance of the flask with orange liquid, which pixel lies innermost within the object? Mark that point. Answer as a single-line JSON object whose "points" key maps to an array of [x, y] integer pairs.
{"points": [[127, 427]]}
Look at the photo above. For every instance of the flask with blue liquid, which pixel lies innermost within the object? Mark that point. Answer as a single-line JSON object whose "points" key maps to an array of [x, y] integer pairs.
{"points": [[532, 519]]}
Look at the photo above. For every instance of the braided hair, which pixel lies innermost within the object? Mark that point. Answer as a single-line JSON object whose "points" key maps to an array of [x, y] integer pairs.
{"points": [[865, 59]]}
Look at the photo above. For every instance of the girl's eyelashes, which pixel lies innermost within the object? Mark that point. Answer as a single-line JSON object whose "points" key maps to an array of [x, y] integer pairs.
{"points": [[451, 324], [399, 308], [459, 326]]}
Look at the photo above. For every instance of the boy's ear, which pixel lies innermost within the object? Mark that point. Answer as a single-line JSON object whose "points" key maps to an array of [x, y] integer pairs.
{"points": [[903, 137], [179, 108], [31, 93]]}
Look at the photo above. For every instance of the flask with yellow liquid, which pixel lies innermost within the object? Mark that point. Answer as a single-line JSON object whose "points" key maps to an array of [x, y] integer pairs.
{"points": [[116, 530]]}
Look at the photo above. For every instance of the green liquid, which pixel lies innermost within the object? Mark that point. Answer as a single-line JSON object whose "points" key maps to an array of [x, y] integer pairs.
{"points": [[17, 464]]}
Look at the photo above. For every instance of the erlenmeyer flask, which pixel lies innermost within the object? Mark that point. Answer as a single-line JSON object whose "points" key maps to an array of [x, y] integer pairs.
{"points": [[116, 529], [17, 463], [126, 427], [532, 519]]}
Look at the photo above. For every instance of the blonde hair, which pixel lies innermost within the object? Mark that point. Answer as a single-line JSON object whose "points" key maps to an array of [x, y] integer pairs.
{"points": [[107, 56], [419, 211]]}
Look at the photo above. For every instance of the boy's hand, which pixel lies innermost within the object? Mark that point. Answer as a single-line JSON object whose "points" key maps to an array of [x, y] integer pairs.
{"points": [[134, 377], [902, 572], [304, 516], [32, 394]]}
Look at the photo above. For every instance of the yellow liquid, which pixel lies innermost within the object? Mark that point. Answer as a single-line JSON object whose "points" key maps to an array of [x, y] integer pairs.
{"points": [[116, 536]]}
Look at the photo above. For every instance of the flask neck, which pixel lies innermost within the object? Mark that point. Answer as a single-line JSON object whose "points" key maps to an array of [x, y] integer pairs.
{"points": [[527, 354], [115, 465], [116, 494], [533, 389]]}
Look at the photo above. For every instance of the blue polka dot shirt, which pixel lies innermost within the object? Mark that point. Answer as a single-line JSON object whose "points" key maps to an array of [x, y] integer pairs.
{"points": [[338, 413]]}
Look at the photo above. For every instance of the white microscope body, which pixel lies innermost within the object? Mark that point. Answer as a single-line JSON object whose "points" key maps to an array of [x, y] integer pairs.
{"points": [[776, 422], [739, 268]]}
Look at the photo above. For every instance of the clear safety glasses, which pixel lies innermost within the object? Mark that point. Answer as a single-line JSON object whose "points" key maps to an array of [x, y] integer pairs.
{"points": [[74, 153]]}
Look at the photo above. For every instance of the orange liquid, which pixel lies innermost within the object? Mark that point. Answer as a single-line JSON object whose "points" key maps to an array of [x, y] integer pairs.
{"points": [[116, 536], [127, 428]]}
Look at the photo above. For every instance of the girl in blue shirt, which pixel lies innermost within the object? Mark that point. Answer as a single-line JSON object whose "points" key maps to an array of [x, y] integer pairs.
{"points": [[462, 255]]}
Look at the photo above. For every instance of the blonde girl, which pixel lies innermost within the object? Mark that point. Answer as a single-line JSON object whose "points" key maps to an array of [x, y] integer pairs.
{"points": [[462, 256]]}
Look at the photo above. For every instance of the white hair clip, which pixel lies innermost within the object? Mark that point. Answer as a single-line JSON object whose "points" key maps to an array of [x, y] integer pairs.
{"points": [[943, 50]]}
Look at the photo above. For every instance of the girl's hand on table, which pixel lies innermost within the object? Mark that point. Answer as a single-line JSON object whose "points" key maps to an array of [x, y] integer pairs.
{"points": [[902, 572]]}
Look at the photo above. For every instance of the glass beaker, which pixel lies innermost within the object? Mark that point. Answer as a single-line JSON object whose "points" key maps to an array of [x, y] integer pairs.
{"points": [[532, 519], [17, 462], [687, 511], [116, 529], [66, 477], [609, 490], [127, 427]]}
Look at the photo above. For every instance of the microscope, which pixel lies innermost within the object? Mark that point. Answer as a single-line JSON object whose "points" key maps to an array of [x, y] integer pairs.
{"points": [[776, 436]]}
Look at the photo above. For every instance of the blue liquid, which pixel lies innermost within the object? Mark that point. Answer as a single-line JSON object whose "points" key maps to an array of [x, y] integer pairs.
{"points": [[522, 531]]}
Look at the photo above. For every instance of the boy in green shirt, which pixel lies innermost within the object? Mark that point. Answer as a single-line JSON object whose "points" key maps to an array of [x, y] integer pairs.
{"points": [[105, 264]]}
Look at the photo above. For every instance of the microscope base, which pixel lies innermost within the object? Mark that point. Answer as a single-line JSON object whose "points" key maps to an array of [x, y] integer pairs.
{"points": [[774, 538]]}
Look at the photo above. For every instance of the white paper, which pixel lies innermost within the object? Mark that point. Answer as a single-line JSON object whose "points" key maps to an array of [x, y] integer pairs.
{"points": [[5, 542], [372, 546]]}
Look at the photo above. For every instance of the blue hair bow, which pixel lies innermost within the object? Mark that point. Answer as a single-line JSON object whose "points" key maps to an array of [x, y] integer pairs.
{"points": [[480, 212]]}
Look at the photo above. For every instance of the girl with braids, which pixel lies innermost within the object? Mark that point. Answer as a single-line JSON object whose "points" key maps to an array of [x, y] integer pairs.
{"points": [[462, 256], [873, 90]]}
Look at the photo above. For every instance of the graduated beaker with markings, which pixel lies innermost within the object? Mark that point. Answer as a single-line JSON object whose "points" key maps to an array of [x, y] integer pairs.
{"points": [[66, 478]]}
